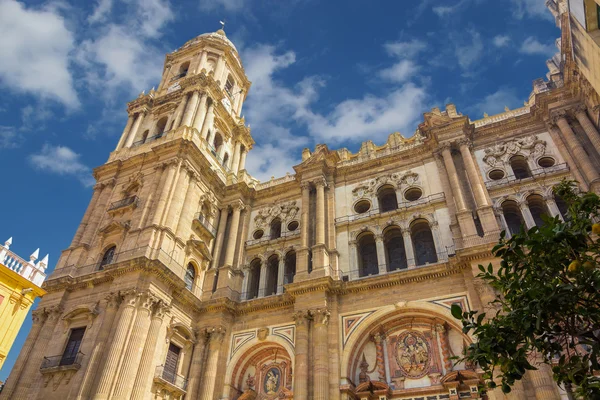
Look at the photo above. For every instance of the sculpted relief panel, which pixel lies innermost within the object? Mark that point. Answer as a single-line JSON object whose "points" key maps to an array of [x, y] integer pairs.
{"points": [[500, 153], [285, 212], [397, 180]]}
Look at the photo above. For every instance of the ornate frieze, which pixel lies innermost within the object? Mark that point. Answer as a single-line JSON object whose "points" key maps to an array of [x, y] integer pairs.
{"points": [[529, 146], [397, 180], [285, 212]]}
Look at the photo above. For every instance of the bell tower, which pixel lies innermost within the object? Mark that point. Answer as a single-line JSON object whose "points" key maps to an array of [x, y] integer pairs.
{"points": [[162, 194]]}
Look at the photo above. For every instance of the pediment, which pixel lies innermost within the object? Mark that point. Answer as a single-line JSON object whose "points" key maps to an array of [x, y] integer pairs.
{"points": [[114, 227], [200, 246]]}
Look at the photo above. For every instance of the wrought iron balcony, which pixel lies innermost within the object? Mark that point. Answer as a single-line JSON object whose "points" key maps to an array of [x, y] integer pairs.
{"points": [[535, 174], [69, 362], [149, 139], [129, 201], [203, 221], [164, 375], [179, 76]]}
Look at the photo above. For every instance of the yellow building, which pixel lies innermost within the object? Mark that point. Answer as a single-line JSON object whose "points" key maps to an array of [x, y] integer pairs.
{"points": [[20, 283]]}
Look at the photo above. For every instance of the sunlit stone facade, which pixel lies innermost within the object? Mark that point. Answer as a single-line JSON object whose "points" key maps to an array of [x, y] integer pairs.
{"points": [[188, 278]]}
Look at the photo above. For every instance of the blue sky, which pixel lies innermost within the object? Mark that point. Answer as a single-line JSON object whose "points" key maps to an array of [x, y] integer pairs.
{"points": [[338, 72]]}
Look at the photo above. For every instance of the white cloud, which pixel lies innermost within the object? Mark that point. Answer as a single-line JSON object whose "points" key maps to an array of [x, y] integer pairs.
{"points": [[61, 160], [501, 40], [442, 11], [9, 138], [405, 49], [470, 51], [399, 72], [228, 5], [494, 103], [36, 44], [530, 8], [532, 46], [101, 11]]}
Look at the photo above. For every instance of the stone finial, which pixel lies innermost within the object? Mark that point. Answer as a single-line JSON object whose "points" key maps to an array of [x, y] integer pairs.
{"points": [[44, 263], [34, 256], [8, 242]]}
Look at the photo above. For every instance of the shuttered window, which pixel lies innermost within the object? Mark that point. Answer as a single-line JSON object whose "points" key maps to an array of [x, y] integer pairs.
{"points": [[70, 354], [170, 371]]}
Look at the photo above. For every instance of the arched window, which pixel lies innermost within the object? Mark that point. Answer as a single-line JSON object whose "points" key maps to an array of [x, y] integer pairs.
{"points": [[537, 207], [290, 267], [145, 136], [520, 167], [225, 160], [387, 198], [108, 257], [229, 86], [562, 207], [276, 228], [160, 126], [217, 142], [367, 255], [183, 69], [512, 216], [190, 277], [423, 243], [394, 249], [254, 279], [272, 272]]}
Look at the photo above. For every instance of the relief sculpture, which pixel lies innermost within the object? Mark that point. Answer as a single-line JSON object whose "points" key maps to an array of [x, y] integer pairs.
{"points": [[413, 355]]}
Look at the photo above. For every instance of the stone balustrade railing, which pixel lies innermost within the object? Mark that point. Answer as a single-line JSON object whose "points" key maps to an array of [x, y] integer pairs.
{"points": [[32, 270], [275, 182]]}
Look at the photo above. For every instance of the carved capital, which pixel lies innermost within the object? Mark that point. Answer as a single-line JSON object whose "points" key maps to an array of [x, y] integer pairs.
{"points": [[305, 185], [130, 298], [301, 317], [465, 142], [216, 334], [580, 109], [54, 312], [39, 316], [113, 300], [320, 316], [558, 115], [378, 337], [320, 181], [237, 205]]}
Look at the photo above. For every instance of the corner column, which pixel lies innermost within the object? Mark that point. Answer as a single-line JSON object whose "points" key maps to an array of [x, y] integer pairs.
{"points": [[235, 163], [194, 376], [208, 121], [280, 273], [590, 130], [543, 383], [302, 254], [262, 283], [136, 126], [233, 232], [409, 248], [301, 362], [143, 379], [210, 374], [200, 113], [190, 109], [321, 354], [320, 185], [243, 160], [121, 331], [381, 261], [529, 221], [113, 300], [98, 212], [171, 168], [125, 133], [179, 111], [86, 217]]}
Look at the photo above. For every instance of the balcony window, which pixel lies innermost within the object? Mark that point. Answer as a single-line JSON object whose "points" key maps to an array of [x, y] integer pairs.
{"points": [[387, 199], [423, 242], [72, 349], [520, 167], [276, 228], [367, 251], [190, 277], [171, 363], [107, 258]]}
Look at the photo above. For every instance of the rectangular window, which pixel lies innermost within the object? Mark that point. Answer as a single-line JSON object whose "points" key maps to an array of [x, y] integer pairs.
{"points": [[70, 354], [171, 363]]}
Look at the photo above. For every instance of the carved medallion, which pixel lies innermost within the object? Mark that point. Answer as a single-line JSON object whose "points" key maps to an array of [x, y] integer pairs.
{"points": [[272, 382], [413, 354]]}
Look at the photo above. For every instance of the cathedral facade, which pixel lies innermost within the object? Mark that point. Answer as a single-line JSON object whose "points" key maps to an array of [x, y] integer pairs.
{"points": [[189, 279]]}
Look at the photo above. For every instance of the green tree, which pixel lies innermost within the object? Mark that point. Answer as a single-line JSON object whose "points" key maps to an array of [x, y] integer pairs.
{"points": [[547, 304]]}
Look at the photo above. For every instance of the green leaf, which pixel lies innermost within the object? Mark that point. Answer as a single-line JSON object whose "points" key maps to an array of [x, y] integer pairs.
{"points": [[456, 311]]}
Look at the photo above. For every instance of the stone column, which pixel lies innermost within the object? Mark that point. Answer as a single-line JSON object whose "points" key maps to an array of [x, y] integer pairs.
{"points": [[179, 111], [113, 300], [135, 347], [243, 160], [409, 248], [233, 233], [529, 221], [245, 218], [210, 374], [590, 130], [353, 255], [517, 392], [589, 170], [186, 213], [219, 71], [320, 184], [188, 115], [202, 66], [321, 354], [262, 283], [302, 254], [98, 212], [560, 144], [159, 211], [179, 195], [472, 173], [235, 163], [38, 319], [280, 274], [220, 236], [31, 369], [440, 329], [195, 373], [246, 282], [90, 210], [121, 332], [134, 130], [453, 178], [301, 362], [552, 207], [543, 383], [208, 121], [200, 113], [125, 133], [378, 339], [381, 262], [500, 213], [143, 379]]}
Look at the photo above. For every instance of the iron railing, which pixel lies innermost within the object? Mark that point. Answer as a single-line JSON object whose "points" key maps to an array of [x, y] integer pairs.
{"points": [[123, 203], [286, 234], [201, 218], [149, 139], [179, 76], [171, 377], [535, 173], [62, 360]]}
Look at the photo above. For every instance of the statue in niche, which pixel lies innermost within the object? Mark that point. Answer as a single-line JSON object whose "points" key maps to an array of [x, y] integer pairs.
{"points": [[413, 355], [272, 381], [364, 367]]}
